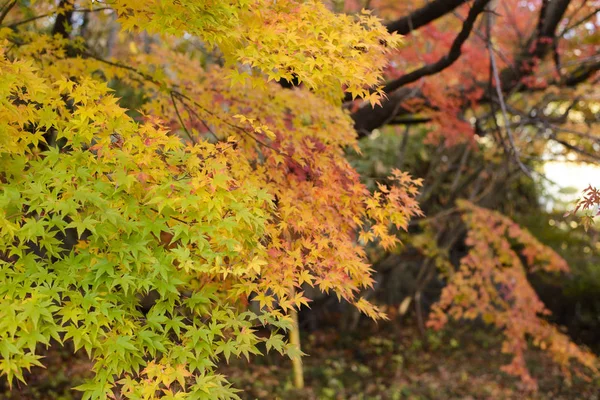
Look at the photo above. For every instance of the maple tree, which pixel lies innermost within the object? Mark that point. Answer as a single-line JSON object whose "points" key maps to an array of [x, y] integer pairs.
{"points": [[150, 147], [215, 195], [489, 92], [491, 283], [591, 202]]}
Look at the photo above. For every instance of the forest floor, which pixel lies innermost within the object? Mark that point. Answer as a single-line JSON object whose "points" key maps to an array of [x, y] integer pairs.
{"points": [[376, 362], [391, 363]]}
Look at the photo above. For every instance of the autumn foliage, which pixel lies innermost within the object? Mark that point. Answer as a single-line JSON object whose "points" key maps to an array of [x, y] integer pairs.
{"points": [[491, 284], [99, 209], [219, 192]]}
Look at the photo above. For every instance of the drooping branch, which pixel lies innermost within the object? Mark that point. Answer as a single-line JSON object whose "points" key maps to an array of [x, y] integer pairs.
{"points": [[447, 60], [423, 16]]}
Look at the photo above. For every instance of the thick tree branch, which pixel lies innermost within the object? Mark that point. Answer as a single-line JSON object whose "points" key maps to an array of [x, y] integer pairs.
{"points": [[367, 118], [554, 14], [62, 25], [5, 10], [447, 60], [423, 16], [582, 73], [410, 121], [538, 45]]}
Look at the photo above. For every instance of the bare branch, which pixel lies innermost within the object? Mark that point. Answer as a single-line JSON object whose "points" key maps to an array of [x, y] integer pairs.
{"points": [[538, 45], [367, 118], [575, 148], [423, 16], [181, 122], [579, 22], [449, 59], [6, 9], [62, 24], [509, 134], [582, 73], [35, 18]]}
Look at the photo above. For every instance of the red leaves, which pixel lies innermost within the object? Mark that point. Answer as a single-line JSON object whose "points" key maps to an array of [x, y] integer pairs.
{"points": [[590, 201], [492, 283]]}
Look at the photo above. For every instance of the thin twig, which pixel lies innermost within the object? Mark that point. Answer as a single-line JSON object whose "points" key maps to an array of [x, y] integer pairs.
{"points": [[494, 112], [177, 93], [503, 108], [239, 128], [481, 36], [578, 23], [189, 135], [36, 17], [513, 22], [192, 111]]}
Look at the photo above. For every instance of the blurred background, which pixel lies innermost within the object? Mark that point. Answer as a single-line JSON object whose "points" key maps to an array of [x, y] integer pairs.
{"points": [[509, 121]]}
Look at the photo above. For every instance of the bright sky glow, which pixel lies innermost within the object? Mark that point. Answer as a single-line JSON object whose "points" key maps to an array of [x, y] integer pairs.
{"points": [[570, 175]]}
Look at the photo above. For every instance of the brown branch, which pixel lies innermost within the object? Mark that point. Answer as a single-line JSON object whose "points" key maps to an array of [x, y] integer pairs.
{"points": [[447, 60], [582, 73], [187, 132], [483, 38], [552, 16], [410, 121], [579, 22], [6, 9], [35, 18], [509, 134], [62, 25], [575, 148], [181, 96], [423, 16], [539, 44], [511, 19], [193, 112], [367, 118]]}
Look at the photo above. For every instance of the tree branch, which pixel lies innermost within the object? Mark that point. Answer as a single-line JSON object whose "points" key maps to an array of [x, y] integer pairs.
{"points": [[509, 134], [574, 148], [538, 45], [367, 118], [423, 16], [447, 60], [62, 25], [35, 18], [582, 73], [6, 9], [579, 22]]}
